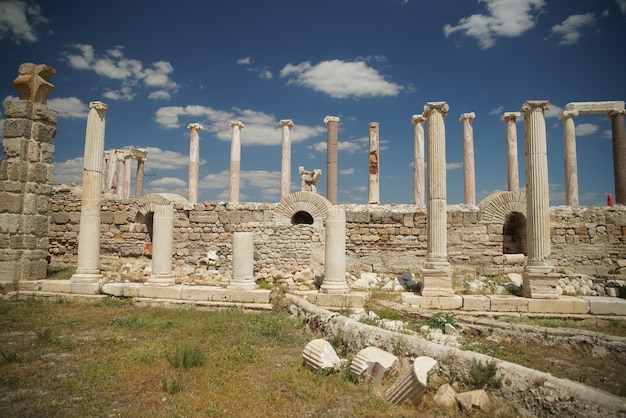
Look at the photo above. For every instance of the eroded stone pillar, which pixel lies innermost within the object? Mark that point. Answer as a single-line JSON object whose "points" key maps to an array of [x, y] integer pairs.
{"points": [[243, 261], [194, 162], [332, 125], [335, 252], [418, 159], [285, 162], [436, 272], [162, 246], [511, 150], [618, 135], [235, 160], [141, 167], [121, 173], [569, 154], [112, 162], [88, 269], [469, 173], [128, 165], [373, 184], [539, 281]]}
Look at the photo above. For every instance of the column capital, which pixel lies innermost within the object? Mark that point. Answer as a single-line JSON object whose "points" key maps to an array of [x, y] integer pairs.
{"points": [[195, 126], [287, 122], [373, 125], [469, 116], [568, 114], [328, 119], [440, 106], [98, 105], [415, 119], [531, 104], [238, 123], [613, 113], [510, 116]]}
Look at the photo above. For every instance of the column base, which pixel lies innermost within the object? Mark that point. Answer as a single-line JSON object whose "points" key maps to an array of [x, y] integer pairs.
{"points": [[437, 279], [540, 285], [242, 284], [92, 277], [336, 288], [161, 280]]}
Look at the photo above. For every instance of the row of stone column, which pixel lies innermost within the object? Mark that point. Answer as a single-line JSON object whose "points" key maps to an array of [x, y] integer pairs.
{"points": [[118, 169]]}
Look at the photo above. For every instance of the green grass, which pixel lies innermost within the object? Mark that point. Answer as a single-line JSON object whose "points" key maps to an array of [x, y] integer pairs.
{"points": [[60, 273]]}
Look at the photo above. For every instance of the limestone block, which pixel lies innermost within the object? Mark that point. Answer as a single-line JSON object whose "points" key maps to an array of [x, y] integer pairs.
{"points": [[604, 305], [10, 203], [45, 113], [432, 302], [474, 398], [501, 303], [12, 186], [120, 217], [15, 147], [320, 354], [86, 288], [412, 385], [564, 305], [445, 396], [43, 132], [10, 272], [17, 128], [18, 109], [372, 365], [56, 286], [38, 173], [476, 303]]}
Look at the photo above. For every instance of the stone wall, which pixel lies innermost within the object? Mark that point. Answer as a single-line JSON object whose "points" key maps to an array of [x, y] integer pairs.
{"points": [[387, 239]]}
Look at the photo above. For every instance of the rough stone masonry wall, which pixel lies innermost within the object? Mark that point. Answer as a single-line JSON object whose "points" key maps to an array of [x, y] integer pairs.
{"points": [[387, 239]]}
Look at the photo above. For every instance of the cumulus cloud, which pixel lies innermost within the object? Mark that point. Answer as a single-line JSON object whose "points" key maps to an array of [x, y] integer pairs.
{"points": [[570, 30], [622, 5], [348, 146], [505, 18], [264, 181], [498, 111], [347, 171], [554, 111], [453, 166], [244, 61], [69, 171], [168, 185], [340, 79], [167, 160], [130, 72], [586, 129], [69, 107], [266, 74], [18, 19]]}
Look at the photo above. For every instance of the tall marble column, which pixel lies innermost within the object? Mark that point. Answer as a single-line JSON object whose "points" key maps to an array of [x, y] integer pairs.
{"points": [[141, 166], [235, 160], [128, 165], [436, 272], [469, 173], [88, 269], [418, 159], [539, 280], [243, 262], [569, 154], [194, 162], [511, 150], [285, 162], [112, 162], [162, 246], [332, 123], [618, 134], [335, 252], [373, 184]]}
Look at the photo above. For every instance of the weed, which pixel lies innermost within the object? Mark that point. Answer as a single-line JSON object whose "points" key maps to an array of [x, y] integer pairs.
{"points": [[185, 357], [399, 348], [44, 336], [478, 345], [144, 357], [485, 374], [9, 357], [440, 319], [265, 285], [175, 386], [129, 322], [339, 344], [346, 309], [60, 273], [389, 313]]}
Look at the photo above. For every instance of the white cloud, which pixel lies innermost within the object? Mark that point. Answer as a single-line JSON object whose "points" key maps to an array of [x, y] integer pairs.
{"points": [[125, 93], [340, 79], [266, 181], [347, 171], [506, 18], [159, 94], [266, 74], [554, 111], [166, 160], [168, 185], [586, 129], [570, 30], [622, 5], [69, 107], [351, 147], [498, 111], [453, 166], [244, 61], [69, 171], [18, 19]]}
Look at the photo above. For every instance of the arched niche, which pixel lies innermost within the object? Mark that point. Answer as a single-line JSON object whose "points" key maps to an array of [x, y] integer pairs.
{"points": [[302, 208]]}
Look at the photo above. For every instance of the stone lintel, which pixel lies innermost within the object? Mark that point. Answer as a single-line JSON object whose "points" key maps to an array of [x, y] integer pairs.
{"points": [[595, 107], [137, 153]]}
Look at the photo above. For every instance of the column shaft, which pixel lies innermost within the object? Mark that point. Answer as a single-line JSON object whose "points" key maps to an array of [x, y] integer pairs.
{"points": [[162, 245], [335, 252], [140, 177], [373, 184], [618, 134], [332, 123], [243, 261], [128, 162], [418, 159], [469, 174], [194, 162], [285, 163], [112, 171], [569, 155], [511, 150], [235, 161]]}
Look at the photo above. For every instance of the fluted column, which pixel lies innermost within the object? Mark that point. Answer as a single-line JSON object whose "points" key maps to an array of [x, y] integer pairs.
{"points": [[243, 261], [194, 162], [88, 269], [511, 150], [332, 123], [373, 184], [469, 173], [112, 162], [618, 135], [539, 280], [418, 159], [141, 165], [128, 165], [436, 271], [569, 154], [335, 252], [285, 162], [235, 160], [162, 246]]}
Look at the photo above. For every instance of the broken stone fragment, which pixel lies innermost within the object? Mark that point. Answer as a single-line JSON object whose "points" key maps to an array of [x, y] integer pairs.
{"points": [[412, 385], [372, 365], [320, 354], [445, 396], [474, 398]]}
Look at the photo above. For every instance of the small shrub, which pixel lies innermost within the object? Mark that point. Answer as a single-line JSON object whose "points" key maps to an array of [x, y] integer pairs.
{"points": [[265, 285], [389, 313], [186, 357], [44, 336], [174, 386], [485, 374], [440, 319], [60, 273]]}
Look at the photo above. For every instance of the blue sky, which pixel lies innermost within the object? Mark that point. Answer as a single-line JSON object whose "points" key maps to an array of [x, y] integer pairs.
{"points": [[161, 65]]}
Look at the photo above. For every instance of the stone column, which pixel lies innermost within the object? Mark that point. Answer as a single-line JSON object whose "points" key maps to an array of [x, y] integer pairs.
{"points": [[335, 252], [511, 150], [111, 185], [285, 162], [618, 134], [418, 159], [539, 281], [194, 162], [128, 165], [88, 269], [141, 162], [373, 184], [469, 173], [436, 272], [569, 153], [162, 246], [332, 123], [235, 160], [121, 170], [243, 262]]}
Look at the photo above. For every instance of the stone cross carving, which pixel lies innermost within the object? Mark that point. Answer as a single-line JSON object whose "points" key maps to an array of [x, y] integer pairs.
{"points": [[32, 82], [309, 179]]}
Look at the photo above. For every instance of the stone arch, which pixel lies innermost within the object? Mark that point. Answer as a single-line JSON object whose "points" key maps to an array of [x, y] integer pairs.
{"points": [[494, 208], [149, 202], [295, 205]]}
